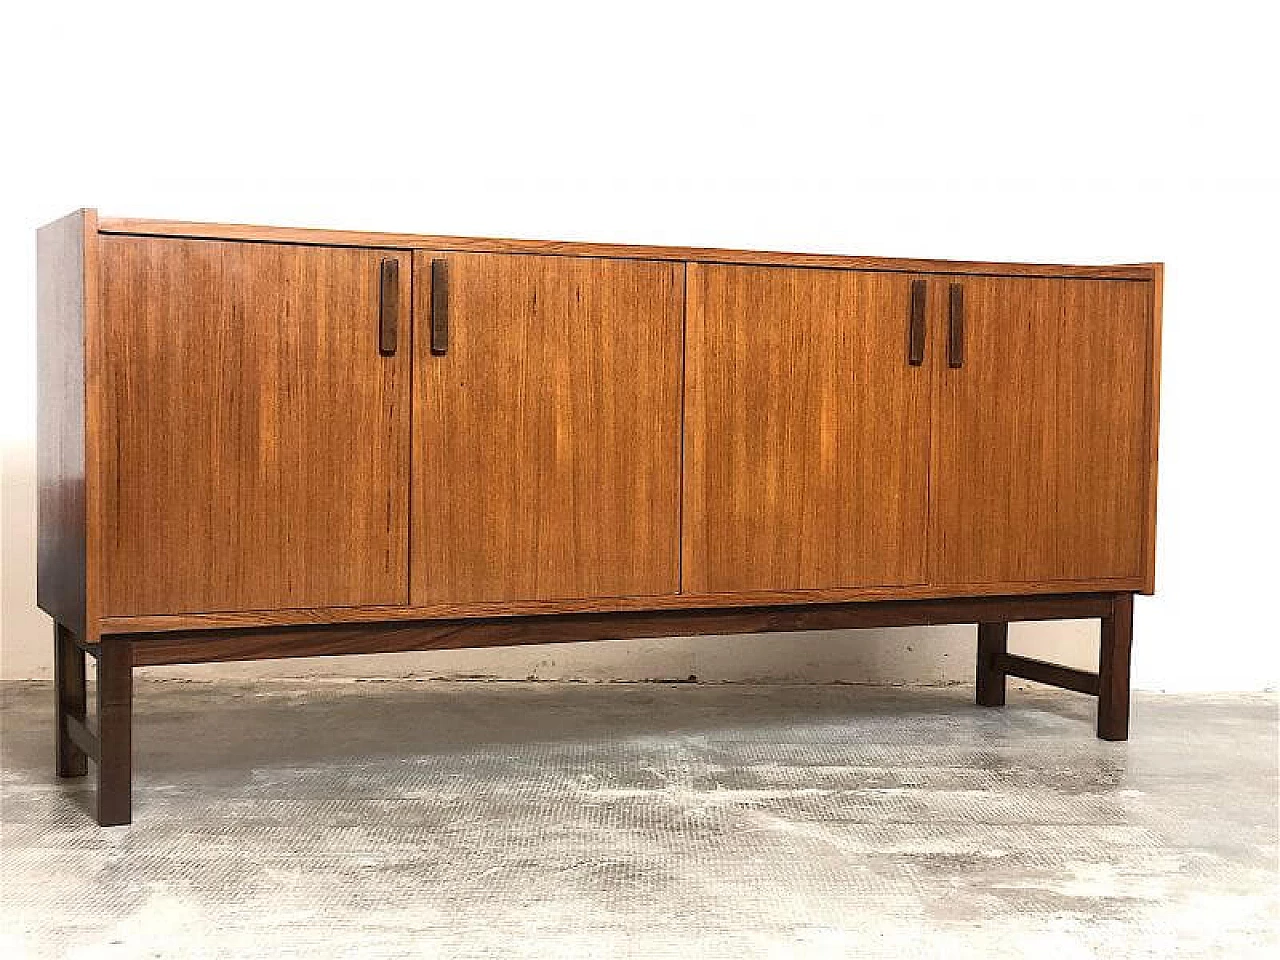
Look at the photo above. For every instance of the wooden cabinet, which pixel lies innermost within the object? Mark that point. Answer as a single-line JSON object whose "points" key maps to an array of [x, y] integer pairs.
{"points": [[265, 442], [290, 427]]}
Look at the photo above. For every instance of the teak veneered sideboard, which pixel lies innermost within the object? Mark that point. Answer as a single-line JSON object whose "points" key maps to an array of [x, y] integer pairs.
{"points": [[266, 442]]}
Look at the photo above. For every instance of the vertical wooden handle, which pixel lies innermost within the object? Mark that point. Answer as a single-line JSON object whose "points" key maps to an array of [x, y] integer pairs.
{"points": [[916, 330], [389, 307], [955, 327], [439, 307]]}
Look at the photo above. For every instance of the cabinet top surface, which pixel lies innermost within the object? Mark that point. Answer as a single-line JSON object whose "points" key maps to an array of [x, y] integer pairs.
{"points": [[261, 234]]}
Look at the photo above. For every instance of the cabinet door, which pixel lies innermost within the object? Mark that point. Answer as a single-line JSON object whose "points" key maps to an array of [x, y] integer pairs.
{"points": [[547, 428], [807, 431], [256, 439], [1040, 434]]}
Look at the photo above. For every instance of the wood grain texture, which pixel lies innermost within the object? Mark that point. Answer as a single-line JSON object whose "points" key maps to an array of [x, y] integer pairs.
{"points": [[70, 702], [225, 231], [1153, 430], [547, 439], [66, 306], [1040, 440], [513, 608], [84, 740], [993, 643], [256, 442], [1114, 657], [115, 732], [1052, 674], [334, 640], [807, 431]]}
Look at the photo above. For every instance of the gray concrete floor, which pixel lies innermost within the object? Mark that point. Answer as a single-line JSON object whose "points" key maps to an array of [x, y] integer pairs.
{"points": [[379, 819]]}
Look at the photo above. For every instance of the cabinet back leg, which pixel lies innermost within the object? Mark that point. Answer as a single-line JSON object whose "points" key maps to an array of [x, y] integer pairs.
{"points": [[1113, 669], [69, 701], [993, 642], [115, 735]]}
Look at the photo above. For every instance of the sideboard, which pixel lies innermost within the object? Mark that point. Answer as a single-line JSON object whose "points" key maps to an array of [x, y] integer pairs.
{"points": [[270, 442]]}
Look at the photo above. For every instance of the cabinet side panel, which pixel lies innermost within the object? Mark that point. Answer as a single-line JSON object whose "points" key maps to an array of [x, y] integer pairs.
{"points": [[1153, 428], [64, 300]]}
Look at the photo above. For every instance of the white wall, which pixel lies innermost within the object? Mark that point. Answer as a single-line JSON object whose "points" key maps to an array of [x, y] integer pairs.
{"points": [[1094, 132]]}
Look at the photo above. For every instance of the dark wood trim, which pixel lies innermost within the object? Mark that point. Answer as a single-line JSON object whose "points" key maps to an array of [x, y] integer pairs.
{"points": [[82, 737], [677, 602], [115, 734], [955, 326], [204, 646], [90, 648], [1041, 671], [916, 330], [1110, 684], [1113, 669], [388, 306], [439, 307], [993, 640], [70, 702]]}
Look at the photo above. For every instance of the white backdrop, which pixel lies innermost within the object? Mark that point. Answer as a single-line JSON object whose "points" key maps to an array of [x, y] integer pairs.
{"points": [[1095, 132]]}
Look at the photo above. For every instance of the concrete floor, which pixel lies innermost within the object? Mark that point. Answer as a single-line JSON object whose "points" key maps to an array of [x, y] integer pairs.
{"points": [[379, 819]]}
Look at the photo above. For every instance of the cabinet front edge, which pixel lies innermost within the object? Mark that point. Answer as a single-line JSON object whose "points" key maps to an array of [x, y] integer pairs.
{"points": [[308, 235]]}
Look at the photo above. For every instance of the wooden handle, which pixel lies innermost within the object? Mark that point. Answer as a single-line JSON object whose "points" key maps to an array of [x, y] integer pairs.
{"points": [[439, 307], [955, 327], [916, 331], [389, 307]]}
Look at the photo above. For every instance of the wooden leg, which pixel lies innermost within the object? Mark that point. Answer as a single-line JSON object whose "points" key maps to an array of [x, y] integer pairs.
{"points": [[69, 700], [993, 642], [115, 739], [1113, 669]]}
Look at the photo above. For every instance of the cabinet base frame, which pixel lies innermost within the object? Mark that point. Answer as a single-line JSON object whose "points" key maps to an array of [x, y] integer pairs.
{"points": [[117, 655], [111, 747]]}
